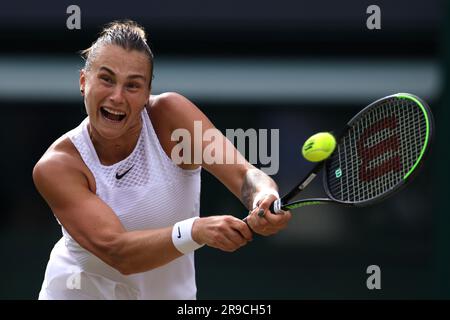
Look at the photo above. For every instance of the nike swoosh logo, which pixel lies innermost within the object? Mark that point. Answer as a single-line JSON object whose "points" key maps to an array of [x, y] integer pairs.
{"points": [[120, 176], [179, 233]]}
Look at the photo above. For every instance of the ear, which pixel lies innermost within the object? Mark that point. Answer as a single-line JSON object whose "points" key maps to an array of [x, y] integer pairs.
{"points": [[82, 81]]}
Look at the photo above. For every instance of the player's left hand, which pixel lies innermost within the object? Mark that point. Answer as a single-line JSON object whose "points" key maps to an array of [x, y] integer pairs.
{"points": [[264, 222]]}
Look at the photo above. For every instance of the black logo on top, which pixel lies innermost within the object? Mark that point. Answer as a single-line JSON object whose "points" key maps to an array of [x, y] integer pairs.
{"points": [[179, 233], [120, 176]]}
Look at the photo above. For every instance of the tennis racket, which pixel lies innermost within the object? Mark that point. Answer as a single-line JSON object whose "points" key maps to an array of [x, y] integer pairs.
{"points": [[379, 152]]}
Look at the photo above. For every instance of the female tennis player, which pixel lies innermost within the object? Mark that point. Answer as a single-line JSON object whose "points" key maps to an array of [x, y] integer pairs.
{"points": [[129, 214]]}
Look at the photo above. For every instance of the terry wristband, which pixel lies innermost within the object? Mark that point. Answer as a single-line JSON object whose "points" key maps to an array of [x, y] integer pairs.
{"points": [[262, 194], [182, 236]]}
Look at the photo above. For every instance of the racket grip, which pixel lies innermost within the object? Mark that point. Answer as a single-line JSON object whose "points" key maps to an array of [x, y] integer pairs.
{"points": [[275, 207], [271, 208]]}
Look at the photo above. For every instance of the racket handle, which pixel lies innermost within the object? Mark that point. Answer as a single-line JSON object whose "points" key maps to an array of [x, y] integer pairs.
{"points": [[275, 207], [271, 208]]}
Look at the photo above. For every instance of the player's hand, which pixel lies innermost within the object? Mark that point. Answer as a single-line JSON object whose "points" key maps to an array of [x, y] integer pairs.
{"points": [[264, 222], [226, 233]]}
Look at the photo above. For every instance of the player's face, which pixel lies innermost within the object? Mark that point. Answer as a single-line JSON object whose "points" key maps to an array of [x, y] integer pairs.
{"points": [[116, 89]]}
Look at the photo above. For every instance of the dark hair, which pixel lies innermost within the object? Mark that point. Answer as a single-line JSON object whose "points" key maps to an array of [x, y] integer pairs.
{"points": [[126, 34]]}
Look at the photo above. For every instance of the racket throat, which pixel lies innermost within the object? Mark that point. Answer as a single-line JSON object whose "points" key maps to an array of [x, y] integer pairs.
{"points": [[307, 181], [310, 202]]}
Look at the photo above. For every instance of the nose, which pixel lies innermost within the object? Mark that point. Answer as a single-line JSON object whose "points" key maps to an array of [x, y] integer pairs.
{"points": [[116, 96]]}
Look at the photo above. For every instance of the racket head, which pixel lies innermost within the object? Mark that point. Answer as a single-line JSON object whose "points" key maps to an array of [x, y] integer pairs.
{"points": [[380, 151]]}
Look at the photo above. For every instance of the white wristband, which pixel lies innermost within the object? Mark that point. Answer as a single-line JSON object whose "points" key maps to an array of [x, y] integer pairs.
{"points": [[262, 194], [182, 236]]}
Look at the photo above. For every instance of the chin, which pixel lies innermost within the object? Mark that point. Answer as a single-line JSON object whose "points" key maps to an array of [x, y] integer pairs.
{"points": [[111, 133]]}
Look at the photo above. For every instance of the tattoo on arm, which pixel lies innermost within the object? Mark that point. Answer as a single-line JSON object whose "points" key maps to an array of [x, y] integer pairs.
{"points": [[247, 192], [254, 181]]}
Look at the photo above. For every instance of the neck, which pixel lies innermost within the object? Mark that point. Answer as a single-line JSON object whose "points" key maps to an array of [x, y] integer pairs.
{"points": [[111, 151]]}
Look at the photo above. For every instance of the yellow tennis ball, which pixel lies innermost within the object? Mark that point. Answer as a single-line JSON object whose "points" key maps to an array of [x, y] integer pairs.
{"points": [[319, 147]]}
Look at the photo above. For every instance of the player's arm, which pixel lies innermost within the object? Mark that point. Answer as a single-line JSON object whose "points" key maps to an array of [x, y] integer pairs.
{"points": [[94, 225], [244, 180]]}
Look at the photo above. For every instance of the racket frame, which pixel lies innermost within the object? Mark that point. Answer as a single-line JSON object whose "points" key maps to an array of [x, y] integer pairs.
{"points": [[285, 203]]}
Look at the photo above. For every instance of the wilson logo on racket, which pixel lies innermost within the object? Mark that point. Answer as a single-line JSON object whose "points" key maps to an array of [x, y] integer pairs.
{"points": [[379, 148]]}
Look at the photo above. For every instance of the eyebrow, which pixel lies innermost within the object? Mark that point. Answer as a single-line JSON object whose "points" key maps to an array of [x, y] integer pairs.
{"points": [[132, 76]]}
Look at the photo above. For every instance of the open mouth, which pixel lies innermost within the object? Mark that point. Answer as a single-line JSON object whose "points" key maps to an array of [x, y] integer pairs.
{"points": [[112, 115]]}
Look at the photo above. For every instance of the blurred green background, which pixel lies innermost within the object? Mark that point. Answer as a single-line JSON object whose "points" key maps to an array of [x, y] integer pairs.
{"points": [[296, 66]]}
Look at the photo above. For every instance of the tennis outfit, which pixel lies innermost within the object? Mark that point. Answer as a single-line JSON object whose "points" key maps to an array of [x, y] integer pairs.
{"points": [[146, 191]]}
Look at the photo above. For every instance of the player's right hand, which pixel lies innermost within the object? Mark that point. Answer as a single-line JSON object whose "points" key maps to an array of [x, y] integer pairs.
{"points": [[226, 232]]}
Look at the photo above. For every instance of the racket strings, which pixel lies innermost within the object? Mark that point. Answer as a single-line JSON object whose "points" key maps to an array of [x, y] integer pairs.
{"points": [[381, 147]]}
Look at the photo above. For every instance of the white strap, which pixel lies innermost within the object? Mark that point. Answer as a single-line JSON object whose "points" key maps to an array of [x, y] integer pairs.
{"points": [[182, 236]]}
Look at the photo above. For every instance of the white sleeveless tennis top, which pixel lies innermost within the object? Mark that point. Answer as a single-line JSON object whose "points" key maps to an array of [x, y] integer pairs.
{"points": [[146, 191]]}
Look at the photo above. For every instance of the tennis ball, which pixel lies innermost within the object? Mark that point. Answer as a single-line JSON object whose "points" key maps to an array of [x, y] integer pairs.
{"points": [[319, 147]]}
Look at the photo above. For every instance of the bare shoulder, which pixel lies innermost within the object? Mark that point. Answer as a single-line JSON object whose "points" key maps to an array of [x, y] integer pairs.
{"points": [[170, 111], [173, 109], [60, 163], [169, 101]]}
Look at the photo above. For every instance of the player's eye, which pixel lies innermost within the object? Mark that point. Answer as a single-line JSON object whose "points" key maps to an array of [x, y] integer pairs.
{"points": [[106, 79], [134, 85]]}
